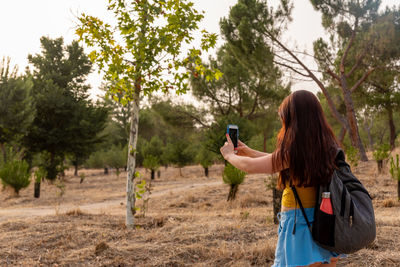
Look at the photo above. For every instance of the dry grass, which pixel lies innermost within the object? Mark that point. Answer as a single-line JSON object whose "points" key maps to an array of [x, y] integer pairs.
{"points": [[75, 212], [388, 203], [188, 223]]}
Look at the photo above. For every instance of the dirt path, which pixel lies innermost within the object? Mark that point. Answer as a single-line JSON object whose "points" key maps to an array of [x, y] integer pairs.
{"points": [[112, 207]]}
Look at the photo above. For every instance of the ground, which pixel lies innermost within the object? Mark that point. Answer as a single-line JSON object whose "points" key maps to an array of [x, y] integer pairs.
{"points": [[188, 222]]}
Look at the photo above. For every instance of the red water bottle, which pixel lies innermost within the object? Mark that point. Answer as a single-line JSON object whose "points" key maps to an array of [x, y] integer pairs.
{"points": [[326, 204]]}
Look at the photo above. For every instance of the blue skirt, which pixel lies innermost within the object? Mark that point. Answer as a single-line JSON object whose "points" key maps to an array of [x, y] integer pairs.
{"points": [[298, 249]]}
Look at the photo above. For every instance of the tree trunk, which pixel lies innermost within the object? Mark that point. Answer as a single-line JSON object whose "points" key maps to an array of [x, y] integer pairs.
{"points": [[180, 172], [76, 168], [52, 169], [206, 171], [392, 128], [105, 170], [264, 142], [158, 174], [352, 120], [130, 179], [342, 134], [380, 165], [277, 198], [152, 174], [3, 150], [368, 130], [232, 192], [36, 193]]}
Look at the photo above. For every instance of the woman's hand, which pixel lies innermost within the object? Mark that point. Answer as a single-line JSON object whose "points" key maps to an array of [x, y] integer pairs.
{"points": [[243, 150], [227, 149]]}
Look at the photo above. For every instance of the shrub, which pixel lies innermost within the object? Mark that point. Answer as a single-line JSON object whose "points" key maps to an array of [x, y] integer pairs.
{"points": [[233, 177], [352, 155], [116, 157], [381, 152], [96, 160], [40, 175], [15, 173]]}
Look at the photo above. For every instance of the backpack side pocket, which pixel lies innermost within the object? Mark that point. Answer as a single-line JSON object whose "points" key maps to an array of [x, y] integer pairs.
{"points": [[323, 229]]}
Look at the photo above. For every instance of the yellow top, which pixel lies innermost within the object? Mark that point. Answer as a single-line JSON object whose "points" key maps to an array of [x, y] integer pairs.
{"points": [[306, 195]]}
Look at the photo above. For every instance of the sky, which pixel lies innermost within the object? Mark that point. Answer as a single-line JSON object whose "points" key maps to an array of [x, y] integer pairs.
{"points": [[23, 22]]}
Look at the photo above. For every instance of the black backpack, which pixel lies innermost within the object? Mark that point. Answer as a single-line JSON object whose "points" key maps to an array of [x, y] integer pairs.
{"points": [[352, 225]]}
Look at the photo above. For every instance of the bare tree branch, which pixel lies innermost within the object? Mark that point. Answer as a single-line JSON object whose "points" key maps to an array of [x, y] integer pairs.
{"points": [[358, 62], [346, 51], [288, 60], [292, 68], [361, 80], [194, 118], [334, 75], [335, 112]]}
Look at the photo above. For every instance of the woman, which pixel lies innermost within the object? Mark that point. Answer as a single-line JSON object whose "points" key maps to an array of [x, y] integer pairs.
{"points": [[304, 157]]}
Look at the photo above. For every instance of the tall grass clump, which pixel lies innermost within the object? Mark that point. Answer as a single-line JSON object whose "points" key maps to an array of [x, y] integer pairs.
{"points": [[232, 177]]}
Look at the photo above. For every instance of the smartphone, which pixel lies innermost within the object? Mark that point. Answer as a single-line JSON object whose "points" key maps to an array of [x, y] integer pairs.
{"points": [[233, 131]]}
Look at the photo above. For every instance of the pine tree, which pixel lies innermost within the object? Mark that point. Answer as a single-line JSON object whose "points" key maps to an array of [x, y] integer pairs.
{"points": [[16, 104], [66, 122]]}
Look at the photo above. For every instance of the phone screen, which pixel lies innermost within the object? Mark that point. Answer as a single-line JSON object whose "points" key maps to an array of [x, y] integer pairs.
{"points": [[233, 134]]}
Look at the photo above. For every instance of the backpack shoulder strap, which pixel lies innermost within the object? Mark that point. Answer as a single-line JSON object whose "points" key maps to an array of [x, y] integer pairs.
{"points": [[296, 195], [340, 158]]}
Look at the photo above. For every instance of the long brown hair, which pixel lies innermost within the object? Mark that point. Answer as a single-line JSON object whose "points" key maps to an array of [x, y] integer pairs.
{"points": [[306, 142]]}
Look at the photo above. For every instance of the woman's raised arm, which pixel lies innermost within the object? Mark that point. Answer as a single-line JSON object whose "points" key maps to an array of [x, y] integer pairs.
{"points": [[261, 164]]}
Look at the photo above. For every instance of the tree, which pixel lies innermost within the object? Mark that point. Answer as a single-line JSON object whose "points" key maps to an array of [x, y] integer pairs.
{"points": [[233, 177], [60, 95], [205, 158], [151, 152], [140, 56], [179, 152], [90, 121], [251, 81], [381, 91], [252, 86], [349, 24], [118, 117], [381, 153], [17, 108]]}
